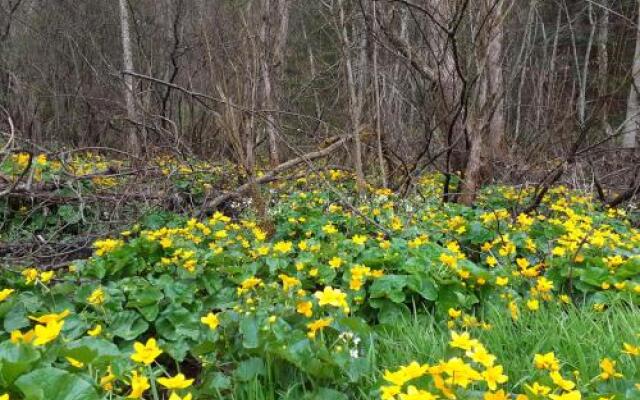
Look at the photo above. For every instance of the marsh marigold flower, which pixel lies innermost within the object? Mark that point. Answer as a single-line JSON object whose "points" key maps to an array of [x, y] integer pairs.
{"points": [[305, 308], [146, 353], [4, 293], [96, 297], [211, 320], [546, 361], [332, 297], [47, 333], [139, 385], [406, 373], [95, 331], [174, 396], [608, 369], [317, 325], [414, 393], [177, 382]]}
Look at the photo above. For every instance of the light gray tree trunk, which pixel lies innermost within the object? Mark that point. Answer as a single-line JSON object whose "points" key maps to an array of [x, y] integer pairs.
{"points": [[354, 103], [603, 65], [133, 141], [632, 122]]}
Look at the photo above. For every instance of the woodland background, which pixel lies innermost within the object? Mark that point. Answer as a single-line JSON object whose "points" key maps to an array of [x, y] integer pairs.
{"points": [[517, 91]]}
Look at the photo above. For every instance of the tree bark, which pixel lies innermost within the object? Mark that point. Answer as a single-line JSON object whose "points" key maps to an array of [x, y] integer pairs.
{"points": [[632, 122], [354, 102], [133, 141], [603, 66]]}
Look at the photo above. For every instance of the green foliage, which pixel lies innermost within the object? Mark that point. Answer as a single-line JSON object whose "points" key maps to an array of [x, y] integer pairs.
{"points": [[234, 307]]}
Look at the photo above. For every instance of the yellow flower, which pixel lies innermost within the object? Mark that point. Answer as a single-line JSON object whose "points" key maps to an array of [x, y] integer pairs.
{"points": [[46, 318], [546, 361], [4, 293], [359, 239], [106, 382], [562, 383], [317, 325], [283, 247], [249, 284], [494, 376], [139, 385], [329, 229], [177, 382], [41, 159], [480, 355], [146, 353], [543, 285], [335, 262], [305, 308], [332, 297], [107, 245], [45, 277], [17, 336], [453, 313], [30, 275], [558, 251], [608, 369], [574, 395], [538, 389], [96, 297], [389, 392], [74, 362], [499, 395], [174, 396], [460, 373], [47, 333], [533, 305], [211, 320], [166, 242], [406, 373], [630, 349], [502, 281], [416, 394], [95, 331], [513, 309], [461, 341], [288, 282]]}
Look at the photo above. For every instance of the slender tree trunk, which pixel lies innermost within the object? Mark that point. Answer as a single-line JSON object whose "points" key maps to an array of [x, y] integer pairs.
{"points": [[485, 120], [354, 103], [632, 122], [376, 83], [496, 83], [133, 141], [471, 181], [603, 66], [265, 69]]}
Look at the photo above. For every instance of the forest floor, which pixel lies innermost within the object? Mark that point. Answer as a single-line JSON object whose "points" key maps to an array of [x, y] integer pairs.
{"points": [[118, 283]]}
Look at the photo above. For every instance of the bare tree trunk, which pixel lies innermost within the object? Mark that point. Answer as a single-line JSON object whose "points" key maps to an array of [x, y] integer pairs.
{"points": [[376, 83], [133, 141], [354, 103], [584, 76], [312, 70], [632, 122], [265, 69], [471, 181], [603, 66], [485, 122], [495, 83]]}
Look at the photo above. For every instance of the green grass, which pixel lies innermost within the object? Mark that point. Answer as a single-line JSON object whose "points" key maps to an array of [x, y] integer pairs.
{"points": [[579, 337]]}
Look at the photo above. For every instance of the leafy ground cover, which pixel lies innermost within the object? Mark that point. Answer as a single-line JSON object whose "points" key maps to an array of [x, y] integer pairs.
{"points": [[388, 299]]}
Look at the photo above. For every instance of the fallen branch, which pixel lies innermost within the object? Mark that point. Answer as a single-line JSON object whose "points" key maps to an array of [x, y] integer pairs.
{"points": [[273, 174]]}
